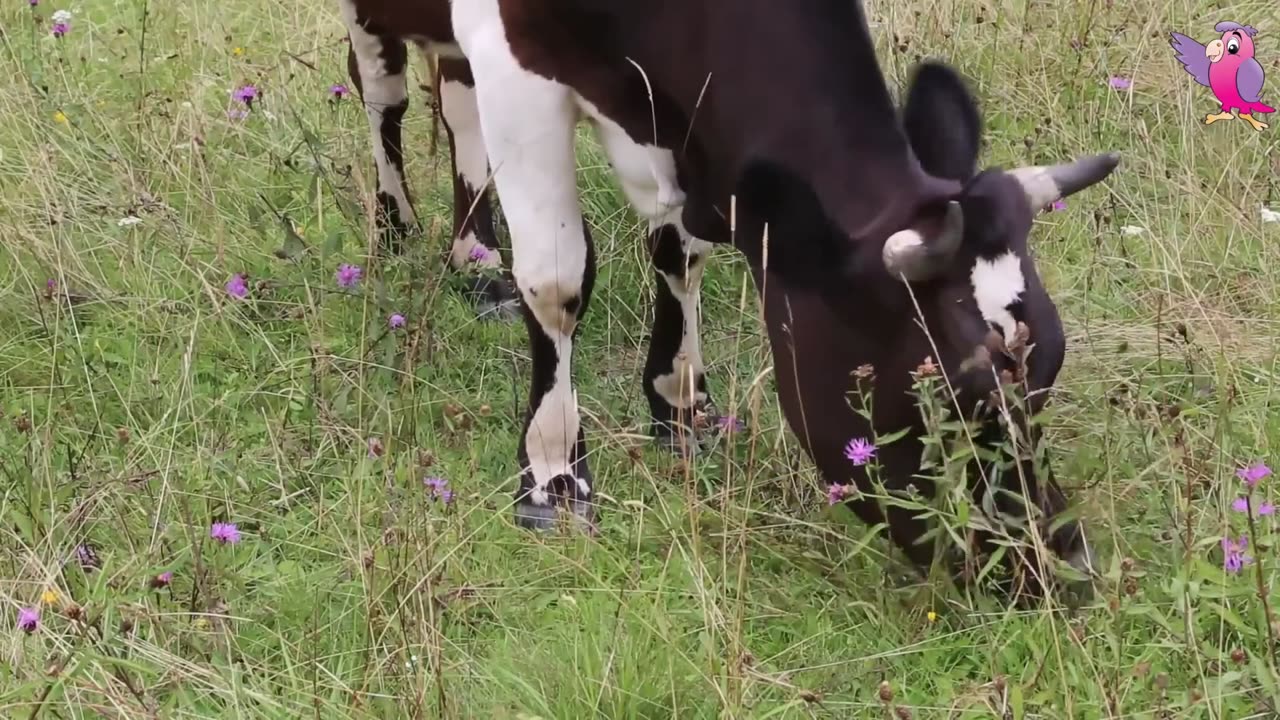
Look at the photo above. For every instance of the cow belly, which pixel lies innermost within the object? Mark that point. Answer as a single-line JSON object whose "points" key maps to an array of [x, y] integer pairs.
{"points": [[423, 22]]}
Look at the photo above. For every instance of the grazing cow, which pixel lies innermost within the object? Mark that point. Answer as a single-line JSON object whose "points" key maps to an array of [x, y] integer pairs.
{"points": [[871, 235]]}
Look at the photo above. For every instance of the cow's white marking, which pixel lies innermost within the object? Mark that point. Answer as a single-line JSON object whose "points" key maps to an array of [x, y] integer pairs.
{"points": [[1038, 184], [381, 90], [528, 127], [997, 284], [462, 115], [647, 174]]}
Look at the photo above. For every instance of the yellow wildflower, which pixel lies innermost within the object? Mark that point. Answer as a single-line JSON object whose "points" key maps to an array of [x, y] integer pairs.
{"points": [[50, 597], [933, 616], [237, 51], [60, 118]]}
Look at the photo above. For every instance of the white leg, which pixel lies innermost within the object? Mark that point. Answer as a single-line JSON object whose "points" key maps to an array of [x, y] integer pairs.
{"points": [[674, 374], [377, 62], [475, 241], [528, 123]]}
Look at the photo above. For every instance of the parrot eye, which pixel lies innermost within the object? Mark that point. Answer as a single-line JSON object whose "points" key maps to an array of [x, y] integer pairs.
{"points": [[1233, 46]]}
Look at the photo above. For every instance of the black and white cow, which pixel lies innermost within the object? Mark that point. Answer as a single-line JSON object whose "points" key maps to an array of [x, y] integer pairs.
{"points": [[767, 125]]}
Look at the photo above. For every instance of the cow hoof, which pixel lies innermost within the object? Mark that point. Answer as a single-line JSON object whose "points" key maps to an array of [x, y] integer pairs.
{"points": [[680, 440], [560, 503], [492, 296], [578, 514], [686, 441]]}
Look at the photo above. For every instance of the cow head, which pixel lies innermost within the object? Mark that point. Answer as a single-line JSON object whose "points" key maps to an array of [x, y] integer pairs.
{"points": [[967, 263]]}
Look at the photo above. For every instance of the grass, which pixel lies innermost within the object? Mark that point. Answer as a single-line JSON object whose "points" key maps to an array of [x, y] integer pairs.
{"points": [[142, 404]]}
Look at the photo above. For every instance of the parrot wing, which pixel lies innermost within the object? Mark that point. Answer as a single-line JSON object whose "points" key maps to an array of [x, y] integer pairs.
{"points": [[1249, 80], [1191, 54]]}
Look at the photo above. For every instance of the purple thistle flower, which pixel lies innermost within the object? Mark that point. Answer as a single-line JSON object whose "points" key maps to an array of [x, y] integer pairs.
{"points": [[162, 580], [348, 275], [1119, 82], [28, 619], [338, 91], [836, 493], [439, 489], [396, 320], [859, 451], [246, 94], [1240, 504], [1058, 205], [729, 422], [50, 284], [1266, 508], [225, 533], [236, 287], [1253, 473], [87, 557], [60, 29], [478, 253], [34, 3], [1233, 554]]}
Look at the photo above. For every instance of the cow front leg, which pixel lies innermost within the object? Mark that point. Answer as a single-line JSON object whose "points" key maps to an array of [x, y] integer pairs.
{"points": [[674, 380], [475, 251], [376, 62], [528, 124]]}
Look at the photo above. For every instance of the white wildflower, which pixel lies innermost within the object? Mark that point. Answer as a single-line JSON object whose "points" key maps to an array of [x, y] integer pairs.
{"points": [[1132, 230], [128, 220], [61, 16]]}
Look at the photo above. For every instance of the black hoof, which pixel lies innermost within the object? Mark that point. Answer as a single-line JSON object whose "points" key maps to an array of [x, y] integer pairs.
{"points": [[686, 439], [680, 440], [493, 296], [392, 229], [576, 514], [561, 505]]}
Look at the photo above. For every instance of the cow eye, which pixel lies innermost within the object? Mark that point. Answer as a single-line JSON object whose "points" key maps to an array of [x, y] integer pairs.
{"points": [[1233, 46]]}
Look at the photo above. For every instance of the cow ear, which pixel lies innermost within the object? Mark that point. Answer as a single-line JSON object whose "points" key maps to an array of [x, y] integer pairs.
{"points": [[942, 122]]}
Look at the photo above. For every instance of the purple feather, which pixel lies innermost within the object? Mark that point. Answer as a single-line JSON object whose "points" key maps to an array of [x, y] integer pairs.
{"points": [[1249, 80], [1226, 25], [1191, 54]]}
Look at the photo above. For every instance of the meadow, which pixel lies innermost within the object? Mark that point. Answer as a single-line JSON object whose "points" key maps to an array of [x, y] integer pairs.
{"points": [[147, 400]]}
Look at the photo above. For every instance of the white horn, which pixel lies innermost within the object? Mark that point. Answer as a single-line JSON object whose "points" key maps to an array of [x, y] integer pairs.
{"points": [[1045, 184], [908, 254]]}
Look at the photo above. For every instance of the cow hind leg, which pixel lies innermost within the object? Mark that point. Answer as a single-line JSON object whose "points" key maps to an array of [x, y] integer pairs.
{"points": [[377, 63], [674, 378], [528, 124], [475, 242]]}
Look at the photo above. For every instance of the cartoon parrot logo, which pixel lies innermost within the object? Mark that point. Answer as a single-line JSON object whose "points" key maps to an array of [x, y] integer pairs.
{"points": [[1227, 67]]}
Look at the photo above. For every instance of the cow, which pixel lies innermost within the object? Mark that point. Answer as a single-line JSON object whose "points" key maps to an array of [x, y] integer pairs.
{"points": [[872, 237]]}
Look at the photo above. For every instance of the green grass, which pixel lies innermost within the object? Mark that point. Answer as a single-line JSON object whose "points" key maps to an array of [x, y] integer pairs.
{"points": [[152, 406]]}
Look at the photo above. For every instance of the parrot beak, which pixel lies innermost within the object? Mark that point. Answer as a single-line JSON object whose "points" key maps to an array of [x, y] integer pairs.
{"points": [[1213, 51]]}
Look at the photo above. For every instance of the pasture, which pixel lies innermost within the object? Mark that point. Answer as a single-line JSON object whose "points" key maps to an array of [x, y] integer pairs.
{"points": [[374, 569]]}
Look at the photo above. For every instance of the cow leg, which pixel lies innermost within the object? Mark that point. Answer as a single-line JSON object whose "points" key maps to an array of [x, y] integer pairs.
{"points": [[528, 123], [674, 376], [475, 243], [377, 61]]}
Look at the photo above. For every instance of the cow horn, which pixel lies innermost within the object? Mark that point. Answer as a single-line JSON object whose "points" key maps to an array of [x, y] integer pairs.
{"points": [[907, 253], [1043, 185]]}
